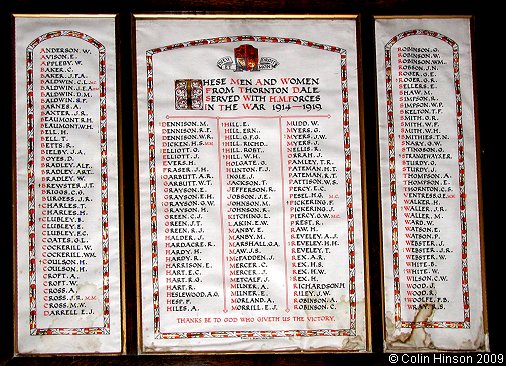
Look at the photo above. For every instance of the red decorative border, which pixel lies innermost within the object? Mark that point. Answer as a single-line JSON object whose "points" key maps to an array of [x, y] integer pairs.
{"points": [[34, 330], [351, 331], [393, 183]]}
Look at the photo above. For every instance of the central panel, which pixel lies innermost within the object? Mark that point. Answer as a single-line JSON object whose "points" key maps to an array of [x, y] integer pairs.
{"points": [[250, 195]]}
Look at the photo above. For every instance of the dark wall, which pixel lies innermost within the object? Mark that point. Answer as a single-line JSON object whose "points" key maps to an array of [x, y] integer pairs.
{"points": [[488, 82]]}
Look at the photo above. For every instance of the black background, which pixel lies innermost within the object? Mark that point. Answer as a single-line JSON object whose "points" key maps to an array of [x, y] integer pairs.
{"points": [[488, 32]]}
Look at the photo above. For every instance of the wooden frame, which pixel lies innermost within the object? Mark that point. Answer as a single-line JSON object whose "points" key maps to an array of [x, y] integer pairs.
{"points": [[484, 26]]}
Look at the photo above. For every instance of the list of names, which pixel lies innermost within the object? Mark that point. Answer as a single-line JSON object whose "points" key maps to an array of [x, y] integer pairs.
{"points": [[68, 190]]}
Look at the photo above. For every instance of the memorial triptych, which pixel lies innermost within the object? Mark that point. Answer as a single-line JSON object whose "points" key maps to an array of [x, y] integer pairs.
{"points": [[250, 198]]}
